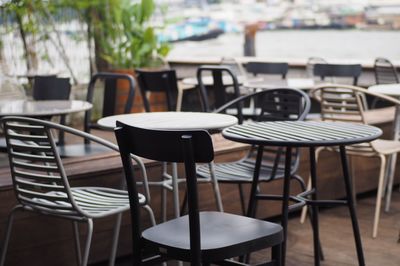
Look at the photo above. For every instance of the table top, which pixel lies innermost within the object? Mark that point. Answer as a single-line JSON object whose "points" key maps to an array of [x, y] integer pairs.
{"points": [[208, 80], [297, 83], [301, 133], [172, 120], [387, 89], [42, 108]]}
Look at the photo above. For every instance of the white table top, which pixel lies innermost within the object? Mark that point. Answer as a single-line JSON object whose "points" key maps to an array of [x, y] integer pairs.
{"points": [[297, 83], [171, 120], [387, 89], [208, 80], [42, 108]]}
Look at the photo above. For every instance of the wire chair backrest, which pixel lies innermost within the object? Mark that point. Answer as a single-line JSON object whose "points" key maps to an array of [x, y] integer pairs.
{"points": [[311, 61], [38, 176], [268, 68], [189, 147], [157, 81], [338, 70], [385, 72]]}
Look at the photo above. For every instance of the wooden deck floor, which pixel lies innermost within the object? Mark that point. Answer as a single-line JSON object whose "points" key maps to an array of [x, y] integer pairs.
{"points": [[337, 237]]}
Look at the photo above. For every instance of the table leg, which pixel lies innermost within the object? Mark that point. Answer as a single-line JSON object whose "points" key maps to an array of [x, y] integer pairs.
{"points": [[352, 209], [314, 207], [285, 202], [252, 200]]}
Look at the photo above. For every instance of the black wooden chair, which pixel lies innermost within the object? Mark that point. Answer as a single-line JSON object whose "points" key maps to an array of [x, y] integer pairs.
{"points": [[338, 70], [52, 88], [200, 238], [157, 81], [270, 105], [108, 109], [222, 88], [267, 68]]}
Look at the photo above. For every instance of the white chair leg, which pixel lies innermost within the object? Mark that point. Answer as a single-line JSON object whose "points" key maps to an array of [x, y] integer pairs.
{"points": [[390, 177], [77, 242], [114, 243], [379, 196], [175, 189], [217, 193], [164, 194], [88, 243], [179, 99], [151, 214], [7, 234]]}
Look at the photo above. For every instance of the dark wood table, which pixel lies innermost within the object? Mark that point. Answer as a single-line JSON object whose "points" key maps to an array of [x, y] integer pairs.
{"points": [[311, 134]]}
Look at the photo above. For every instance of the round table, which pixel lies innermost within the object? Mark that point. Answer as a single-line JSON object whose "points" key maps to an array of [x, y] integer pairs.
{"points": [[311, 134], [171, 120], [174, 121], [208, 80], [297, 83], [42, 108]]}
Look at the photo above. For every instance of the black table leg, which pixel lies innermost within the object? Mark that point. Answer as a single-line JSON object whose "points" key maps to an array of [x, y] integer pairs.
{"points": [[252, 201], [350, 204], [285, 202], [314, 207]]}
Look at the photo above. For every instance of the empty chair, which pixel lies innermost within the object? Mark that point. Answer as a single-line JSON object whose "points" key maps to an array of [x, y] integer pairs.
{"points": [[163, 81], [270, 105], [311, 61], [385, 72], [338, 70], [108, 108], [345, 104], [222, 87], [236, 67], [42, 186], [52, 88], [267, 68], [200, 238]]}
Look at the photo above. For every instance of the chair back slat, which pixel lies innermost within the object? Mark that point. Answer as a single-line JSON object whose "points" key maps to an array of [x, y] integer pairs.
{"points": [[338, 70], [38, 177], [269, 68]]}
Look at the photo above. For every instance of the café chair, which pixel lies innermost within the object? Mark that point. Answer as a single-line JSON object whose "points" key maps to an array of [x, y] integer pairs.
{"points": [[163, 81], [385, 72], [344, 103], [200, 238], [270, 105], [338, 70], [311, 61], [41, 184], [109, 108], [267, 68], [52, 88]]}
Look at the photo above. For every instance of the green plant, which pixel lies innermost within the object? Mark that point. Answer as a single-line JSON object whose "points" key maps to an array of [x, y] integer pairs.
{"points": [[130, 40]]}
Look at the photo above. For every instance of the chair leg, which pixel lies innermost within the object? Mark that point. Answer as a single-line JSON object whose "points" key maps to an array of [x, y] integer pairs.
{"points": [[151, 214], [390, 177], [7, 234], [379, 196], [164, 195], [88, 242], [179, 99], [242, 203], [77, 242], [215, 185], [276, 254], [115, 238]]}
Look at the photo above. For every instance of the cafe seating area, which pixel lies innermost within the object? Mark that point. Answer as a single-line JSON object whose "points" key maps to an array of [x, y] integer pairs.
{"points": [[212, 183]]}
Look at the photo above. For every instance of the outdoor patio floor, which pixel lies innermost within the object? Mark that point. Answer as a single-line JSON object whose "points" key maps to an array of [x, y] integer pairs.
{"points": [[337, 238]]}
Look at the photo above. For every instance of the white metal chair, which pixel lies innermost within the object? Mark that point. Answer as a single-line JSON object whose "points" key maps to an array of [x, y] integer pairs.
{"points": [[345, 103], [41, 184]]}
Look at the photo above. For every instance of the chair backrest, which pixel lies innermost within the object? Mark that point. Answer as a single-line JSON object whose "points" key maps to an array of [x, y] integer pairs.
{"points": [[236, 67], [269, 68], [37, 173], [385, 72], [51, 88], [157, 81], [222, 80], [311, 61], [109, 100], [338, 70], [189, 147]]}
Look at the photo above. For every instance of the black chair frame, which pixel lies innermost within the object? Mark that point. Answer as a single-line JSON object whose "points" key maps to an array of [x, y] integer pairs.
{"points": [[338, 70], [271, 68]]}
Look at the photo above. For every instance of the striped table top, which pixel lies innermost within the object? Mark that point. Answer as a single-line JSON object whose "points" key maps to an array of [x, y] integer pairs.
{"points": [[302, 133]]}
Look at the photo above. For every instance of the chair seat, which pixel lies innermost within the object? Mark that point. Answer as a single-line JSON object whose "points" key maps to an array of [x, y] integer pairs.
{"points": [[95, 202], [223, 235], [385, 146], [239, 171]]}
